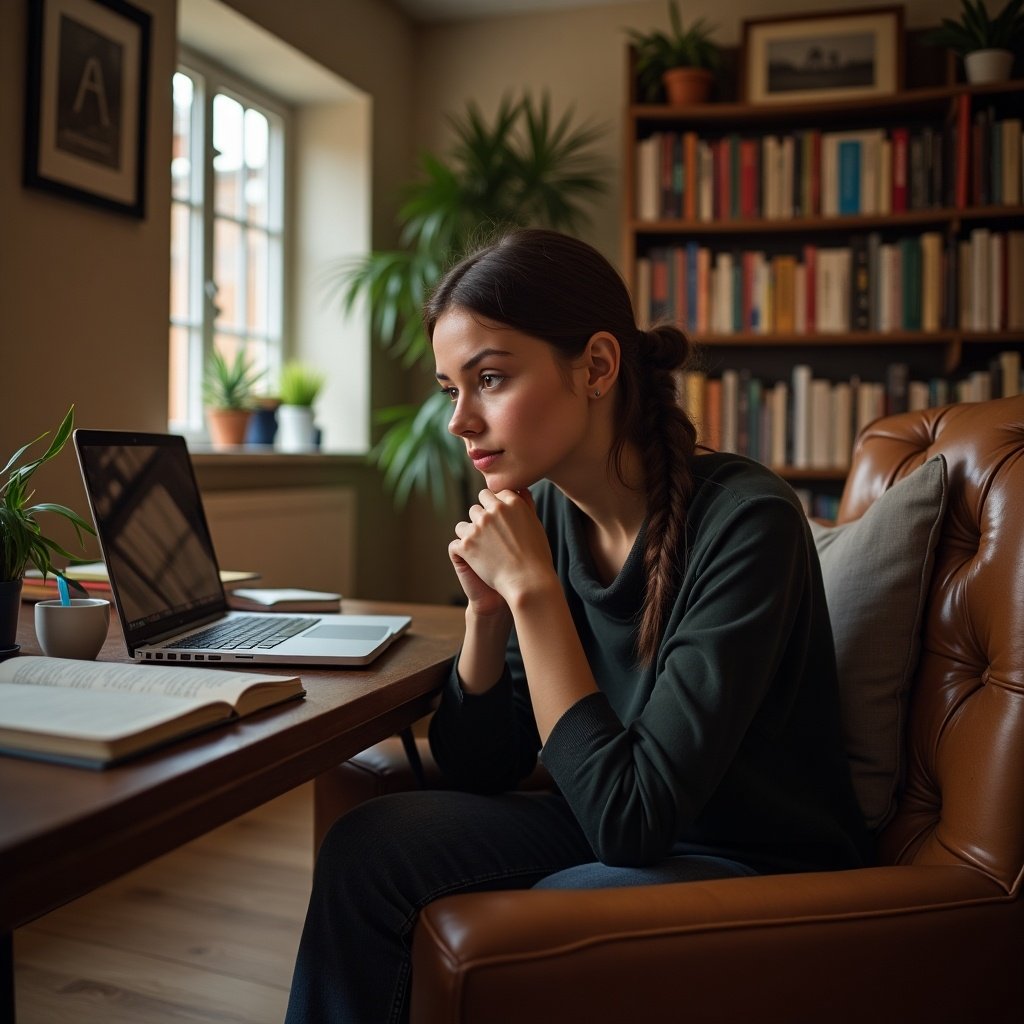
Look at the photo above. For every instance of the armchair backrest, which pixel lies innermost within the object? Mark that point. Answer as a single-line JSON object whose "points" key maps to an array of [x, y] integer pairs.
{"points": [[962, 797]]}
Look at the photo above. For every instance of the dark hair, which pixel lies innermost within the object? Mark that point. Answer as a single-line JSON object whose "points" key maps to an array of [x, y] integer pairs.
{"points": [[563, 291]]}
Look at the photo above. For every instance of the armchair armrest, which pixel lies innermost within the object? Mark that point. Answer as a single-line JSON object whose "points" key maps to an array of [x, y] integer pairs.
{"points": [[879, 944]]}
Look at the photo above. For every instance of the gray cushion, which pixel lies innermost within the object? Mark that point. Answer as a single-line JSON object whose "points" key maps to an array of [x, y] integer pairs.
{"points": [[876, 571]]}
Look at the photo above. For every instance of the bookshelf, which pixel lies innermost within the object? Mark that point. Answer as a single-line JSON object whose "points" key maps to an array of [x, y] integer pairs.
{"points": [[876, 245]]}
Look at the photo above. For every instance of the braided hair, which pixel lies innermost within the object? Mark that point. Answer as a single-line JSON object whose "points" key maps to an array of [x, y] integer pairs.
{"points": [[562, 291]]}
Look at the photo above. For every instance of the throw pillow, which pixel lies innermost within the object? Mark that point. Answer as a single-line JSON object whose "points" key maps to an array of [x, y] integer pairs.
{"points": [[876, 571]]}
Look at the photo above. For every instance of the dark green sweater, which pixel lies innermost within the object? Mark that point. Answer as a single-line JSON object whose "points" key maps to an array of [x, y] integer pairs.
{"points": [[730, 742]]}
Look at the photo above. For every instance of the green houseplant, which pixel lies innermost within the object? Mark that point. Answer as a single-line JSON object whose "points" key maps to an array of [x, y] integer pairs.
{"points": [[22, 541], [678, 64], [299, 387], [228, 393], [987, 45], [524, 167]]}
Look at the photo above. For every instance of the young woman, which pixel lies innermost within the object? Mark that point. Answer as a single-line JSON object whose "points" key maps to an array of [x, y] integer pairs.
{"points": [[648, 618]]}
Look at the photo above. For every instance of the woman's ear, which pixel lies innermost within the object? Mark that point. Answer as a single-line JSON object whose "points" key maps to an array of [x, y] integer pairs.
{"points": [[602, 356]]}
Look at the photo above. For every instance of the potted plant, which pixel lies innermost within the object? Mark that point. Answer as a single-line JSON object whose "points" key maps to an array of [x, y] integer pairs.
{"points": [[987, 45], [524, 167], [22, 541], [300, 385], [678, 64], [227, 393]]}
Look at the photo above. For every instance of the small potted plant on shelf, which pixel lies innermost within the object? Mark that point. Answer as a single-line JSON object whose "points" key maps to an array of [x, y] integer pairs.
{"points": [[678, 64], [987, 45], [22, 541], [300, 385], [227, 393]]}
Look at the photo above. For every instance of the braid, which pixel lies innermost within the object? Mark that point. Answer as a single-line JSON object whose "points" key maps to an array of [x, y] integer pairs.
{"points": [[669, 441]]}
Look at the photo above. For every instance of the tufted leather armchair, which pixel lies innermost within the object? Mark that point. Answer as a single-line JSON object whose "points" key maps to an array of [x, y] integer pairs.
{"points": [[934, 933]]}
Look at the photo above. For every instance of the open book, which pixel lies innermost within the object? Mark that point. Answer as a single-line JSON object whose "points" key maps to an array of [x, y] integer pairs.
{"points": [[96, 713]]}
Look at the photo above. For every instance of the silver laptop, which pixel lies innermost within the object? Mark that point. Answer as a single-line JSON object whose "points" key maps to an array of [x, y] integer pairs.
{"points": [[163, 572]]}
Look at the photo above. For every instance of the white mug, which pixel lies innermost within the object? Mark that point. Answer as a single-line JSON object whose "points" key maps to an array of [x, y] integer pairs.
{"points": [[75, 630]]}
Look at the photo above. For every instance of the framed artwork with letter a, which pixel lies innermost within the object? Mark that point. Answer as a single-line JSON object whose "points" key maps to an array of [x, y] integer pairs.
{"points": [[86, 95]]}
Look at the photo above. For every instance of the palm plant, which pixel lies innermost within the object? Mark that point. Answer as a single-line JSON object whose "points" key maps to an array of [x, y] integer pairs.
{"points": [[526, 167]]}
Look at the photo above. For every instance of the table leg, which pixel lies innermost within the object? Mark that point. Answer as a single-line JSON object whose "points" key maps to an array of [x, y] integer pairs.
{"points": [[413, 754], [6, 978]]}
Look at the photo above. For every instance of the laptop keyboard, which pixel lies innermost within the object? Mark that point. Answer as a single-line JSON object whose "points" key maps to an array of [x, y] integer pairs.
{"points": [[246, 633]]}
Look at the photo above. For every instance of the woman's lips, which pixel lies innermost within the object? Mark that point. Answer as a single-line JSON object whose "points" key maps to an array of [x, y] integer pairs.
{"points": [[483, 460]]}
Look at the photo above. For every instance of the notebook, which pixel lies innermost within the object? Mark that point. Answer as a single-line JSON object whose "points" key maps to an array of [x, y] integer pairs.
{"points": [[164, 575]]}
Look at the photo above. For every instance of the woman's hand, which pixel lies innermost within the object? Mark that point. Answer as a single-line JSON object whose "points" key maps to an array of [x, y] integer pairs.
{"points": [[502, 550]]}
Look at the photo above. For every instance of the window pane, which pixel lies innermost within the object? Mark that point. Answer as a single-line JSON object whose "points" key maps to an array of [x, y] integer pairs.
{"points": [[180, 256], [181, 152], [178, 410], [257, 138], [227, 160], [258, 290], [228, 262]]}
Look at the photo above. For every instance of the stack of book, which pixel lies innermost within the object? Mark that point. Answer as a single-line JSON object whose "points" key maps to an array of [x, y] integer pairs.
{"points": [[93, 579]]}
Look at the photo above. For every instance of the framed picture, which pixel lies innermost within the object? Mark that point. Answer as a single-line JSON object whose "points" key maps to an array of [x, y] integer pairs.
{"points": [[846, 55], [86, 95]]}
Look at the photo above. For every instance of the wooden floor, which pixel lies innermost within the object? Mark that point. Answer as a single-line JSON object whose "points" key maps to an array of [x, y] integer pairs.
{"points": [[206, 933]]}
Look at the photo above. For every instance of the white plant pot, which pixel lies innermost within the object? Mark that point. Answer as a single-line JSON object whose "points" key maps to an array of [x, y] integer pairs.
{"points": [[295, 430], [988, 66]]}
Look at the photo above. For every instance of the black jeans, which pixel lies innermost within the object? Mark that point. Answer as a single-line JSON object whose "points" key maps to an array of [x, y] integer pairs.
{"points": [[385, 860]]}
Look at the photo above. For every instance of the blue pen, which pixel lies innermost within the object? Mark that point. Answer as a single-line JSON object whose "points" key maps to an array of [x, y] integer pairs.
{"points": [[62, 589]]}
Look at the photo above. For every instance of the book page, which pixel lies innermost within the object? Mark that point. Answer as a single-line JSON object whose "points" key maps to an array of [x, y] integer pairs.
{"points": [[99, 716], [168, 680]]}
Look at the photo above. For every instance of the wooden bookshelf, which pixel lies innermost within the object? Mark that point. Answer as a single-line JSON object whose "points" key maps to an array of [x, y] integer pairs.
{"points": [[946, 121]]}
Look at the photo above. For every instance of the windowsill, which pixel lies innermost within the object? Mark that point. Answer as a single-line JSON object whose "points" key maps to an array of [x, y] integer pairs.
{"points": [[266, 455], [261, 466]]}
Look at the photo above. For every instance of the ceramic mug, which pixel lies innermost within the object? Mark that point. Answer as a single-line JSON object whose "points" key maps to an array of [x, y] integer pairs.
{"points": [[75, 630]]}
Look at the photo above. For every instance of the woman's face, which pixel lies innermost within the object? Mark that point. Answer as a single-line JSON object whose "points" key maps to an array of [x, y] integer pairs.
{"points": [[522, 414]]}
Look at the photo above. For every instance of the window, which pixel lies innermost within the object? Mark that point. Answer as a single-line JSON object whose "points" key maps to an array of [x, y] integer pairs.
{"points": [[227, 232]]}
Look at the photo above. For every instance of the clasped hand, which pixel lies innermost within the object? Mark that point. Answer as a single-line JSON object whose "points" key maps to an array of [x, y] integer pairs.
{"points": [[501, 552]]}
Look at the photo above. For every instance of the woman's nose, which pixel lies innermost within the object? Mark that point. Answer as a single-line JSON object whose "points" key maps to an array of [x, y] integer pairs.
{"points": [[464, 421]]}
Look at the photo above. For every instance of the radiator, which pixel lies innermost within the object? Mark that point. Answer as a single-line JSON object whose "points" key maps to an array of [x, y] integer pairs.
{"points": [[293, 537]]}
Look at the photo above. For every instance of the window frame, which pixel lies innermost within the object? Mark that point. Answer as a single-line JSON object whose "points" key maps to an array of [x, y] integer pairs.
{"points": [[210, 79]]}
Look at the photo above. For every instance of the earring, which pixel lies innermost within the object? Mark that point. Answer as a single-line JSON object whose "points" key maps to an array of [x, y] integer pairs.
{"points": [[597, 394]]}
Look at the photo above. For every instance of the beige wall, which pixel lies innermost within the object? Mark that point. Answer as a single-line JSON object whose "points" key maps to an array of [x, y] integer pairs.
{"points": [[84, 293]]}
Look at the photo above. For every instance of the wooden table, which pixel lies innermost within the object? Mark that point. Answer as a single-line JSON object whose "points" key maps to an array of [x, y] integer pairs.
{"points": [[64, 831]]}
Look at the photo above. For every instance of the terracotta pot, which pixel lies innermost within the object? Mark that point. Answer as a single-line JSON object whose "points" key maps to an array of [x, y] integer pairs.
{"points": [[227, 426], [684, 86]]}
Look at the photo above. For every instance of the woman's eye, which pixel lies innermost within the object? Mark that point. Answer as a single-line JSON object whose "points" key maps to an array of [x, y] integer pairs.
{"points": [[490, 380], [452, 393]]}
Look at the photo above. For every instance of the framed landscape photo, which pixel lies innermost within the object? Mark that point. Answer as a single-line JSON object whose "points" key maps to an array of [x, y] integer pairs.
{"points": [[86, 98], [807, 58]]}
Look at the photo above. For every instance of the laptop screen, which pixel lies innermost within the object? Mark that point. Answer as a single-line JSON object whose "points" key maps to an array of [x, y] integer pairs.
{"points": [[152, 530]]}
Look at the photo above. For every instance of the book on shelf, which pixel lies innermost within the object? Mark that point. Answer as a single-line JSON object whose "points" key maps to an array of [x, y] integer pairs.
{"points": [[92, 577], [95, 714], [867, 285], [807, 422], [284, 599]]}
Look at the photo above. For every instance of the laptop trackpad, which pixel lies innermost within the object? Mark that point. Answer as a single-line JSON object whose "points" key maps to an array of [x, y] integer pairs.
{"points": [[330, 631]]}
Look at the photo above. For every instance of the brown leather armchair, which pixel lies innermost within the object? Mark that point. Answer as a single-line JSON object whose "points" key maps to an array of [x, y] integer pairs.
{"points": [[935, 933]]}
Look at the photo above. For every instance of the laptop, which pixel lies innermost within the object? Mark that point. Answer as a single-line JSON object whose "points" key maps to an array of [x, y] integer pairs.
{"points": [[164, 575]]}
